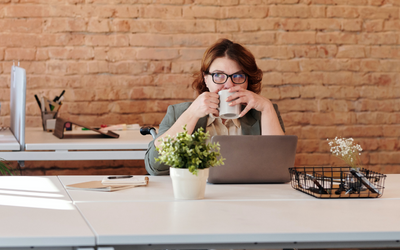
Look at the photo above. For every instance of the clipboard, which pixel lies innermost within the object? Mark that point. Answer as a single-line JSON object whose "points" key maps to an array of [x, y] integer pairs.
{"points": [[60, 125]]}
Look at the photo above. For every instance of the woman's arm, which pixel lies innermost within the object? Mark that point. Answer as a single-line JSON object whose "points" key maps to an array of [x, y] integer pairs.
{"points": [[153, 167], [270, 123], [204, 104]]}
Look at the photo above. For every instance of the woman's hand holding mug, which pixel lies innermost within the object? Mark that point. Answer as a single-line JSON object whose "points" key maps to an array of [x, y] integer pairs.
{"points": [[206, 103]]}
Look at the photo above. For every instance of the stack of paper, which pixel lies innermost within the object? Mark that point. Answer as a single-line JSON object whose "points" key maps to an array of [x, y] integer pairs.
{"points": [[109, 185]]}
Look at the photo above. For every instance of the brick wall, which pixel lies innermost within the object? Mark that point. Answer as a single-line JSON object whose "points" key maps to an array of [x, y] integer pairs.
{"points": [[332, 66]]}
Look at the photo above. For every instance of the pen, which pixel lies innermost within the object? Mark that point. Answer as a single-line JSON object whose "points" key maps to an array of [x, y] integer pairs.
{"points": [[38, 102], [120, 177], [58, 97], [43, 105], [59, 107], [321, 188]]}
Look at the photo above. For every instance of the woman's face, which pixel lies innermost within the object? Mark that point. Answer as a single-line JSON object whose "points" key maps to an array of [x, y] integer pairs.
{"points": [[227, 66]]}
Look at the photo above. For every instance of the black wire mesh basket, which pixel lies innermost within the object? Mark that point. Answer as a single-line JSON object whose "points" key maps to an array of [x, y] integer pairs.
{"points": [[338, 182]]}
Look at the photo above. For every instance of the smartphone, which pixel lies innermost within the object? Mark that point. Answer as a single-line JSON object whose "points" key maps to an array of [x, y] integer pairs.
{"points": [[119, 177]]}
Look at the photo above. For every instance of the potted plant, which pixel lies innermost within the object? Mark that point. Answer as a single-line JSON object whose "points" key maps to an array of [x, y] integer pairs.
{"points": [[349, 152], [5, 168], [189, 158]]}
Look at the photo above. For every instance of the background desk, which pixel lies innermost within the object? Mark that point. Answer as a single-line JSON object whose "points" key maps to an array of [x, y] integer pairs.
{"points": [[44, 146], [8, 141]]}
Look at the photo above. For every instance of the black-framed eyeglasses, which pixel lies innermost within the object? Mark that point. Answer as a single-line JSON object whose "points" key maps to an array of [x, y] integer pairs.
{"points": [[221, 78]]}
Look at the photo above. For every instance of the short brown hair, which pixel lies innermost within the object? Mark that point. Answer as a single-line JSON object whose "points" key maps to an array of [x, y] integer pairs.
{"points": [[235, 52]]}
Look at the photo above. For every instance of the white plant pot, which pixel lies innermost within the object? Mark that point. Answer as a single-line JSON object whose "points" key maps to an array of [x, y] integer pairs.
{"points": [[188, 186]]}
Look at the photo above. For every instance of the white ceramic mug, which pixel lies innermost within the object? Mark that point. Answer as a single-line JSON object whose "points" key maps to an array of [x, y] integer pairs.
{"points": [[226, 111]]}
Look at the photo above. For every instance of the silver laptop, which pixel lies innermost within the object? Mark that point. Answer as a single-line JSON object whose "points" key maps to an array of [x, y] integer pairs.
{"points": [[254, 159]]}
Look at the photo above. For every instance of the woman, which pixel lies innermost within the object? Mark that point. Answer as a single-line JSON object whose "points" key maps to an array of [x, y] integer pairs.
{"points": [[225, 65]]}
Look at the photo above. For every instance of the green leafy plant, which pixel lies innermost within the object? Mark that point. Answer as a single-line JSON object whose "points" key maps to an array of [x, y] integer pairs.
{"points": [[189, 151], [5, 168]]}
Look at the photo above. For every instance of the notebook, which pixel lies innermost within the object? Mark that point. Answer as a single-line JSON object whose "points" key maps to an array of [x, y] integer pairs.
{"points": [[254, 159], [110, 186]]}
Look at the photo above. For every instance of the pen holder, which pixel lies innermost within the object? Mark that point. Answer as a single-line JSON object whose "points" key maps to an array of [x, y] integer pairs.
{"points": [[49, 120]]}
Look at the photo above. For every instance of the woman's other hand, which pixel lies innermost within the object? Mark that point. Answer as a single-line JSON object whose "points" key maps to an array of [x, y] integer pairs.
{"points": [[250, 99], [269, 120]]}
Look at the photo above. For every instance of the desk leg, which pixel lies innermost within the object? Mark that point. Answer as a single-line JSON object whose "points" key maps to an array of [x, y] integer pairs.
{"points": [[21, 164]]}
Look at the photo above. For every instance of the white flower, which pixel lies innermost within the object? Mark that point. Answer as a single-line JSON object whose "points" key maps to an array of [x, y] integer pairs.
{"points": [[344, 149]]}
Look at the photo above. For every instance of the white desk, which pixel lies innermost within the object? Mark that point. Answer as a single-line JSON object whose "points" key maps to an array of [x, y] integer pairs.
{"points": [[238, 216], [8, 141], [44, 146], [37, 211], [231, 216], [246, 224]]}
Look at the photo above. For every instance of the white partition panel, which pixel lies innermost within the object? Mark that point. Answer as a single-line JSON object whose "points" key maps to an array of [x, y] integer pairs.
{"points": [[18, 104]]}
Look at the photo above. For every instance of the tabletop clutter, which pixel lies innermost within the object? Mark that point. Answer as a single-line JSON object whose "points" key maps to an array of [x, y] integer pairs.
{"points": [[49, 109], [337, 182]]}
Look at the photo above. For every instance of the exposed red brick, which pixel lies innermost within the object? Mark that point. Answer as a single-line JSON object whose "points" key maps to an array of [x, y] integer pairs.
{"points": [[54, 25], [373, 25], [379, 12], [351, 51], [199, 11], [98, 25], [281, 52], [121, 54], [378, 38], [336, 38], [296, 38], [342, 11], [157, 54], [22, 10], [160, 11], [352, 25], [31, 25], [316, 159], [151, 40], [312, 51], [20, 54], [249, 24], [391, 25], [188, 67], [271, 93], [227, 26], [244, 11], [302, 11], [325, 24]]}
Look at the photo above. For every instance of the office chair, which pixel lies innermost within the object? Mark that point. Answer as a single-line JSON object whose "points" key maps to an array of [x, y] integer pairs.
{"points": [[148, 130]]}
